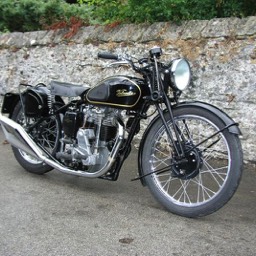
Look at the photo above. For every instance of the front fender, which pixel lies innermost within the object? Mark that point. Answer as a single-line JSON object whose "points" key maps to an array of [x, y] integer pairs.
{"points": [[226, 119]]}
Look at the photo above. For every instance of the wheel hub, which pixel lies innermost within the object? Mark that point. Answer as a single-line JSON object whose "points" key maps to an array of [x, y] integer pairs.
{"points": [[189, 166]]}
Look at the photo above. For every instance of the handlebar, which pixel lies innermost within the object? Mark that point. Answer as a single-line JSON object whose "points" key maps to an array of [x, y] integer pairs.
{"points": [[107, 55], [124, 60]]}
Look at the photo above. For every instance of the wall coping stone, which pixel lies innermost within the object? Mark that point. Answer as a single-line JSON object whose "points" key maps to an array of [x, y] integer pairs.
{"points": [[140, 33]]}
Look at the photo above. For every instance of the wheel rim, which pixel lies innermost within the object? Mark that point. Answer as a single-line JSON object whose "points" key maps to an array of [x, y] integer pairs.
{"points": [[29, 158], [214, 168]]}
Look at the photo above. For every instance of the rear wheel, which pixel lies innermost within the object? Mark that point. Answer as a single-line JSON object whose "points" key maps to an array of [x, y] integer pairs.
{"points": [[46, 134], [206, 178]]}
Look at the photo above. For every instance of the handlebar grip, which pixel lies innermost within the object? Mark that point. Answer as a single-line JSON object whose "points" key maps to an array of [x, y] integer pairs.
{"points": [[107, 55]]}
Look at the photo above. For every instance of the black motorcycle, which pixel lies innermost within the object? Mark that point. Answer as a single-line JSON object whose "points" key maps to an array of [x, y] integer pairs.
{"points": [[190, 155]]}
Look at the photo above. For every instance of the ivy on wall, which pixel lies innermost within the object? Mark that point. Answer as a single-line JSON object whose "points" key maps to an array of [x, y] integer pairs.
{"points": [[29, 15]]}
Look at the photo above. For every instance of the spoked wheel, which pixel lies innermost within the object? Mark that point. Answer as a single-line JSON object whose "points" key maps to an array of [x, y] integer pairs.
{"points": [[206, 178], [46, 134]]}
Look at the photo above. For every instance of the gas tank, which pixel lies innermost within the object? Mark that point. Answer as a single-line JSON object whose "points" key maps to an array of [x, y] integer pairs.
{"points": [[118, 91]]}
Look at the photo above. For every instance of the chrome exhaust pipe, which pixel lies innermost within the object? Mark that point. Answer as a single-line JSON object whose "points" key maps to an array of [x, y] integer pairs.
{"points": [[19, 138]]}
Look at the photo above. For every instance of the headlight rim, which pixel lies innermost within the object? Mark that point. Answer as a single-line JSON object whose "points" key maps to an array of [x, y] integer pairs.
{"points": [[173, 68]]}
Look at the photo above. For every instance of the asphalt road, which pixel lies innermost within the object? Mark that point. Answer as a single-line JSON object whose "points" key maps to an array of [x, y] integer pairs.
{"points": [[58, 214]]}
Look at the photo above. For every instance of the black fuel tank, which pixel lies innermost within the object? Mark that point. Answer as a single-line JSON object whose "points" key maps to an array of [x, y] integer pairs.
{"points": [[119, 91]]}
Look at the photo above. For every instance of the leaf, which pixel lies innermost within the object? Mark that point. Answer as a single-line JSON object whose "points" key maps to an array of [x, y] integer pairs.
{"points": [[126, 240]]}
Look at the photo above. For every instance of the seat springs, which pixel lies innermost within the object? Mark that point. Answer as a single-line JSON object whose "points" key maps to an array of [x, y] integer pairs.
{"points": [[50, 99]]}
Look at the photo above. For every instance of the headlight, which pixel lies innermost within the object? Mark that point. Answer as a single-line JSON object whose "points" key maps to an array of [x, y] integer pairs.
{"points": [[180, 74]]}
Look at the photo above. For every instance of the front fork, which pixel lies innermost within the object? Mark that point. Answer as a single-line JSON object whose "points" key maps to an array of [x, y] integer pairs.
{"points": [[177, 143]]}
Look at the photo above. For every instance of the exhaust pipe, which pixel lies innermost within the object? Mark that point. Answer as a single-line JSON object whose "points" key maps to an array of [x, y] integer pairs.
{"points": [[19, 138]]}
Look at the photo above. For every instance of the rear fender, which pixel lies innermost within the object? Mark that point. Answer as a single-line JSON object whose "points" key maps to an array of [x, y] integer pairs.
{"points": [[11, 99], [227, 120], [9, 102]]}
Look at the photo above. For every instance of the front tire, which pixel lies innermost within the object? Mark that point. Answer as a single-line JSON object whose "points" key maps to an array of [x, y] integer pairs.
{"points": [[47, 137], [212, 171]]}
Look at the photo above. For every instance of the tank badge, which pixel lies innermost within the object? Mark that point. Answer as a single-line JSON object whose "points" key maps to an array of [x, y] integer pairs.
{"points": [[124, 93]]}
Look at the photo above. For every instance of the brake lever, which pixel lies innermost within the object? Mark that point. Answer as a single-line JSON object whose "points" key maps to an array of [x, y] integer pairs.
{"points": [[143, 60]]}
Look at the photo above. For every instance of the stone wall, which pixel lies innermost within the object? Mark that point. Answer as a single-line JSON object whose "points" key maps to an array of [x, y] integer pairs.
{"points": [[222, 53]]}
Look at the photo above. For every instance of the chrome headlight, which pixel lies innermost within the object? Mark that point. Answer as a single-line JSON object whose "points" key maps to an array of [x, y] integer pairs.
{"points": [[180, 73]]}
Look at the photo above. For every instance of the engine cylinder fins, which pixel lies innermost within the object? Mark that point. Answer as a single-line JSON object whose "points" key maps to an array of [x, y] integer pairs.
{"points": [[107, 133]]}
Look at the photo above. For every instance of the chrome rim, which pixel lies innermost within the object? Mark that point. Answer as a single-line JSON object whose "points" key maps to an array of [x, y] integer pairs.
{"points": [[29, 158], [214, 168]]}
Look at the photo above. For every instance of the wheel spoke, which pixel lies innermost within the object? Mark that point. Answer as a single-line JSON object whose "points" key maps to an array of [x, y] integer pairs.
{"points": [[214, 172], [166, 182], [184, 194], [203, 191], [157, 162], [45, 135]]}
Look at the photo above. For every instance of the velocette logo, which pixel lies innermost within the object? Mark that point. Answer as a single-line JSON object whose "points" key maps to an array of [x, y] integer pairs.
{"points": [[124, 93]]}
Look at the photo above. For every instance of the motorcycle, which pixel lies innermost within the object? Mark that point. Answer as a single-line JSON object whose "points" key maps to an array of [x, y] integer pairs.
{"points": [[190, 155]]}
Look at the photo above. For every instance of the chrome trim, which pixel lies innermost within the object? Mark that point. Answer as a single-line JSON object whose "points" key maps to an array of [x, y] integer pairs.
{"points": [[118, 63], [17, 136]]}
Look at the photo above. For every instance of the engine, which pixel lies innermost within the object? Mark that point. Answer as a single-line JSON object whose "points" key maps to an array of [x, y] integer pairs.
{"points": [[89, 136]]}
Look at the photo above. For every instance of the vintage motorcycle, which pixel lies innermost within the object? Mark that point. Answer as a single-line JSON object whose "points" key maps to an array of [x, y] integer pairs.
{"points": [[189, 157]]}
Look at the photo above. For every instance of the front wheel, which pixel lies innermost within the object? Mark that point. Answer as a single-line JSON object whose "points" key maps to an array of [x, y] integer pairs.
{"points": [[209, 174]]}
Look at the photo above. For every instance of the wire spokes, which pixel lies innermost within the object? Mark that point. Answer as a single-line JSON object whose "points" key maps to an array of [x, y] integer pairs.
{"points": [[46, 134], [214, 162]]}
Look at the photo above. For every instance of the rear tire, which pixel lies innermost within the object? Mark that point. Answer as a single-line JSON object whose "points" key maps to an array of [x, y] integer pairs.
{"points": [[47, 137], [212, 173]]}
